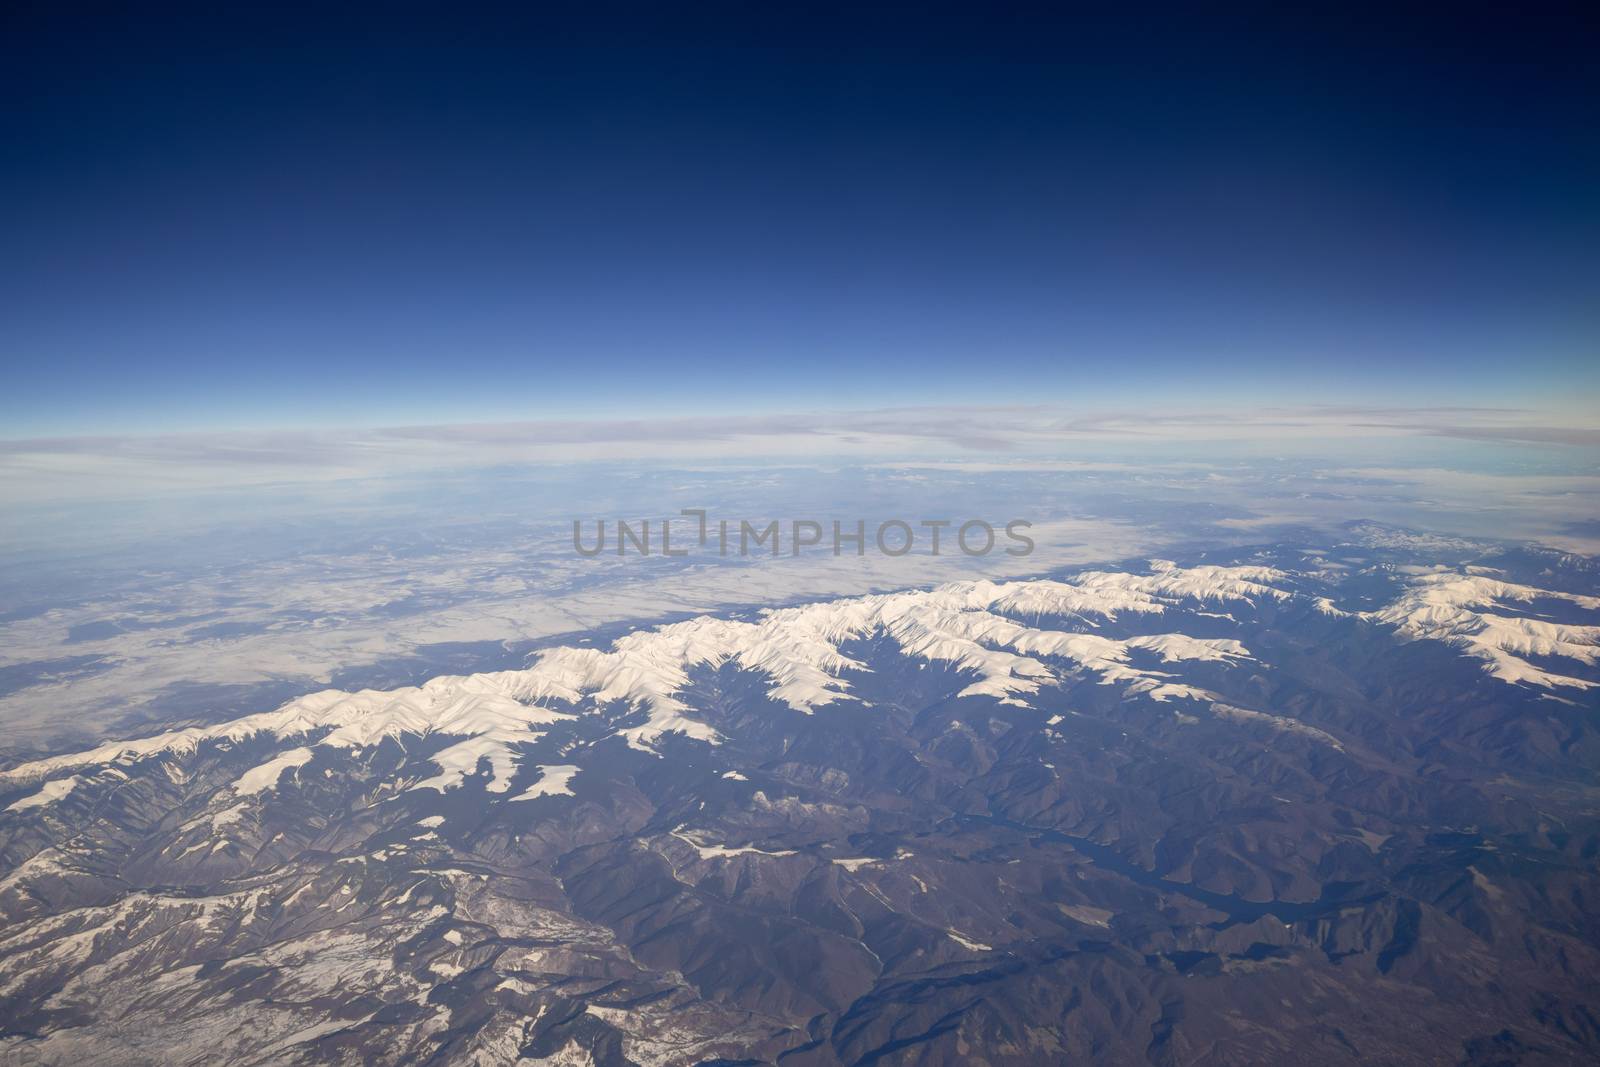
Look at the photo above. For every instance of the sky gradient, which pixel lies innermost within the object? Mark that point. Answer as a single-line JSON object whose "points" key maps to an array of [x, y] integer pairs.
{"points": [[275, 219]]}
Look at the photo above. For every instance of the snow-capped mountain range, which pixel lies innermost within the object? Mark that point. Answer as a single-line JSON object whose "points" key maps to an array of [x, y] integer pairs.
{"points": [[801, 833], [970, 626]]}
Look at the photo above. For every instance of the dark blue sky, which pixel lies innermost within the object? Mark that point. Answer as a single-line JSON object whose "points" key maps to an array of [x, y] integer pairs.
{"points": [[287, 218]]}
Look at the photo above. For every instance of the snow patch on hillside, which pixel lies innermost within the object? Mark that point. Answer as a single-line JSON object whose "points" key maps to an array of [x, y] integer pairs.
{"points": [[52, 792], [264, 777], [553, 781]]}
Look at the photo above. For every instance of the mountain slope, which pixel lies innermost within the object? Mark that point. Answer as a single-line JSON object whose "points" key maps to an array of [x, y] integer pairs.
{"points": [[1329, 803]]}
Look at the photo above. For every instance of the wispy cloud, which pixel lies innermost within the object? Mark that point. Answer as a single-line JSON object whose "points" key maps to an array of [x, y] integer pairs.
{"points": [[1543, 435], [82, 467]]}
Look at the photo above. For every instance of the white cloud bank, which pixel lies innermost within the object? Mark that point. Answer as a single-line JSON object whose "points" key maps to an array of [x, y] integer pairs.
{"points": [[115, 467]]}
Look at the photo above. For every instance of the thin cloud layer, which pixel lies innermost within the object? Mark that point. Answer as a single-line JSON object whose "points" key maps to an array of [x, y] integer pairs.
{"points": [[79, 467]]}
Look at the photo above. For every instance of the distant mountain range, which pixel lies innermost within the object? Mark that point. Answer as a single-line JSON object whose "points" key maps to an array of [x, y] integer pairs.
{"points": [[1304, 803]]}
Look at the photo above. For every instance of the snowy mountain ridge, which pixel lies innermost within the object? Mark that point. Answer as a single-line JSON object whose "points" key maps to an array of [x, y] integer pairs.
{"points": [[971, 626]]}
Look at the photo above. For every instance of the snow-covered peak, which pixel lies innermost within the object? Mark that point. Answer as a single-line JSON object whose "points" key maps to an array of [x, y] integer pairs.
{"points": [[1468, 611]]}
